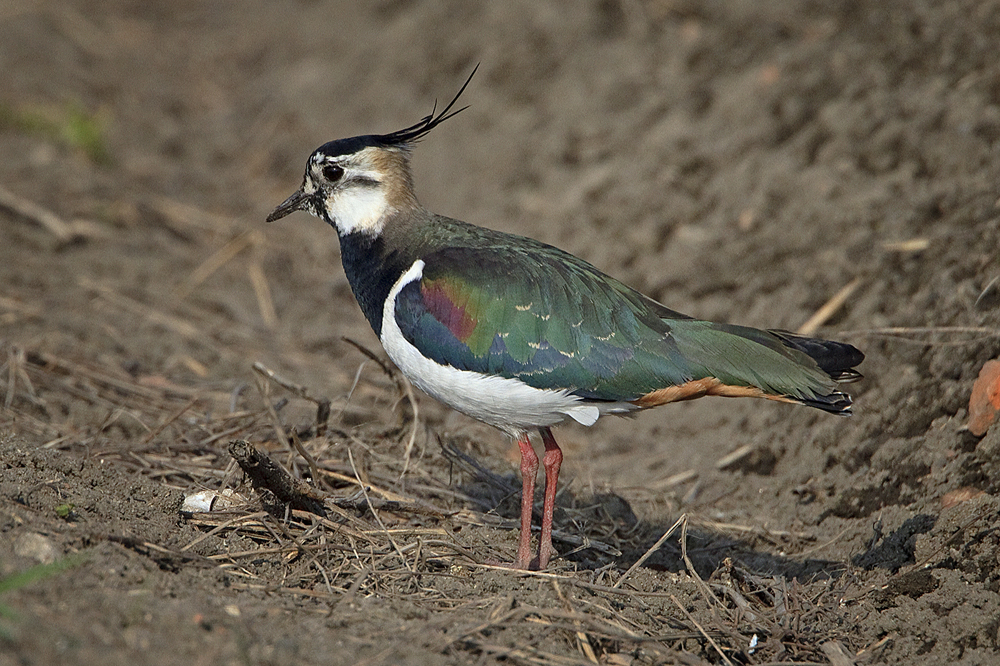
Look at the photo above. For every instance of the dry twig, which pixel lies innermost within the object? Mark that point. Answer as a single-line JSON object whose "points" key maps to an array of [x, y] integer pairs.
{"points": [[45, 218], [404, 386], [322, 403], [264, 473], [652, 549], [829, 308]]}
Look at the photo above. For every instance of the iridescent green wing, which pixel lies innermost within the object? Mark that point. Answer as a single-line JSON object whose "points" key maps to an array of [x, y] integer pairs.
{"points": [[532, 312]]}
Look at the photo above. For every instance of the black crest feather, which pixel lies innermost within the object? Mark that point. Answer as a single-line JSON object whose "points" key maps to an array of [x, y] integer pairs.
{"points": [[427, 123]]}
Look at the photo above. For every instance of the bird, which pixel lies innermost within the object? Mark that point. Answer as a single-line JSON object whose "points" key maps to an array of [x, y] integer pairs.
{"points": [[523, 336]]}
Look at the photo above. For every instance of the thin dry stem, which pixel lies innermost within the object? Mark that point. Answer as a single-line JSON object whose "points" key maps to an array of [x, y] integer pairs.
{"points": [[828, 309], [63, 232], [652, 549]]}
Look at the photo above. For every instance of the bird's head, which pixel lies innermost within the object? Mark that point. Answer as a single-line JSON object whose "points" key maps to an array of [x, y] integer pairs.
{"points": [[355, 184]]}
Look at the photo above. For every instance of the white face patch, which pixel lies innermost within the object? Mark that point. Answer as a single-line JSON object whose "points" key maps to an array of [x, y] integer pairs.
{"points": [[351, 190], [357, 207], [507, 404]]}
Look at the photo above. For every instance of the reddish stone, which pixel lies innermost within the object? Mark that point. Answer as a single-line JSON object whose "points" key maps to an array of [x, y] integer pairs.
{"points": [[985, 400]]}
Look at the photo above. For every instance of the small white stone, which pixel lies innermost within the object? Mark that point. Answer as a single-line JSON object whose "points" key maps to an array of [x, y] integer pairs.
{"points": [[206, 501], [36, 547], [199, 502]]}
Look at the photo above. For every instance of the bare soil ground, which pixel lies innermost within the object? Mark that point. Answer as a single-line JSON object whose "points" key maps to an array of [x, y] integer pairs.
{"points": [[742, 161]]}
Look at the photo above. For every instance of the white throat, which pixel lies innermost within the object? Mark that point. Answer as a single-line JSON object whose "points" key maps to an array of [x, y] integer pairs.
{"points": [[358, 209]]}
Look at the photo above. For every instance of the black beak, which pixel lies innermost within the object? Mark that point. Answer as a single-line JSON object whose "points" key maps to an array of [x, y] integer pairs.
{"points": [[297, 201]]}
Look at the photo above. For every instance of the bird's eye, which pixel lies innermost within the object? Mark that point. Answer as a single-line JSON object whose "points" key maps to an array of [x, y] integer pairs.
{"points": [[333, 172]]}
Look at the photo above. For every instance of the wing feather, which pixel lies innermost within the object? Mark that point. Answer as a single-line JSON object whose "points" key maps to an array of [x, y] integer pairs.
{"points": [[510, 306], [562, 325]]}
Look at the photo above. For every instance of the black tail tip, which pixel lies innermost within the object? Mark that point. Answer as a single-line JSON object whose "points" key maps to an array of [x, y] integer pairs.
{"points": [[838, 402], [836, 359]]}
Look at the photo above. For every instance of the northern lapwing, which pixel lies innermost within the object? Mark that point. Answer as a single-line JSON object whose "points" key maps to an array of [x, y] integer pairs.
{"points": [[523, 336]]}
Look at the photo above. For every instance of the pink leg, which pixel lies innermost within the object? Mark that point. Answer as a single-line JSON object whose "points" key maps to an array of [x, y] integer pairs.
{"points": [[551, 460], [529, 468]]}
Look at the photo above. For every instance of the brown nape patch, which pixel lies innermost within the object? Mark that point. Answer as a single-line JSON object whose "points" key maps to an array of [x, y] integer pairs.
{"points": [[394, 166], [699, 388]]}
